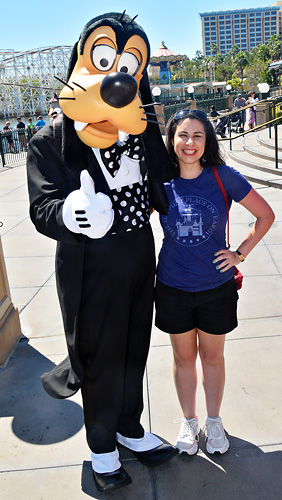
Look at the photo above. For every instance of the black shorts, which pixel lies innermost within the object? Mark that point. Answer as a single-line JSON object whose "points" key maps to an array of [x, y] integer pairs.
{"points": [[212, 311]]}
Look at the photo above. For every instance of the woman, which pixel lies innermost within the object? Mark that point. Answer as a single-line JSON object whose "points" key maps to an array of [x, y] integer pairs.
{"points": [[196, 295]]}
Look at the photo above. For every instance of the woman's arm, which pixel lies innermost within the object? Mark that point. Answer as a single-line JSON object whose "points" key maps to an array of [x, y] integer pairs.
{"points": [[264, 215]]}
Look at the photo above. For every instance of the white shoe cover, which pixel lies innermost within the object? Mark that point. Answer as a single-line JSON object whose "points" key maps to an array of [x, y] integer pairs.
{"points": [[147, 442], [105, 462]]}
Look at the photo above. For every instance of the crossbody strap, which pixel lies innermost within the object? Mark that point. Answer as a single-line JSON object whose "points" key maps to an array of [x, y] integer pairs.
{"points": [[221, 187]]}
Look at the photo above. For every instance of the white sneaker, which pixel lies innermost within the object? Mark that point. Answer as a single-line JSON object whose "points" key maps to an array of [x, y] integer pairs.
{"points": [[188, 437], [216, 439]]}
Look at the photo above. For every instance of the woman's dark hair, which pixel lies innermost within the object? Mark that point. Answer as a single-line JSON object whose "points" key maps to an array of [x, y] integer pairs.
{"points": [[212, 155]]}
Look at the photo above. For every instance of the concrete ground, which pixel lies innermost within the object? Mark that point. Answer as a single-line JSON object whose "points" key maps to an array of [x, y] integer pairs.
{"points": [[43, 452]]}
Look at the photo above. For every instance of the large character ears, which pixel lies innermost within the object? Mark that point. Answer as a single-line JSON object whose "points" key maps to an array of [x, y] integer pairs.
{"points": [[74, 152], [72, 61], [160, 167], [159, 164]]}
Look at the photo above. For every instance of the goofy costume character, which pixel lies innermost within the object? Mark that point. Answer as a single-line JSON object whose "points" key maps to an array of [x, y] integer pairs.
{"points": [[92, 176]]}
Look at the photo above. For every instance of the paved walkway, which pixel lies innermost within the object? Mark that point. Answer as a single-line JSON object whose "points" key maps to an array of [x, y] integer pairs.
{"points": [[43, 452]]}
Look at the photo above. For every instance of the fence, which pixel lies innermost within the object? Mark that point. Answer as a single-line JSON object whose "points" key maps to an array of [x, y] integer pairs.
{"points": [[13, 146]]}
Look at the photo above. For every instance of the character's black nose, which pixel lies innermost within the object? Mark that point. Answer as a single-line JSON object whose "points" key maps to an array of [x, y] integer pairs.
{"points": [[118, 89]]}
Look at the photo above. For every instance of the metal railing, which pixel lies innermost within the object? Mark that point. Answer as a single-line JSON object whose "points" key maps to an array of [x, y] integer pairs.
{"points": [[272, 106], [272, 111], [13, 146], [258, 127]]}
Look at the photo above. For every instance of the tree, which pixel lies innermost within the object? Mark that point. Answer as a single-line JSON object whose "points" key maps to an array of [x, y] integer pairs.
{"points": [[235, 82], [240, 62], [254, 73], [223, 72], [275, 47], [198, 55], [262, 52], [213, 48], [219, 58], [234, 51]]}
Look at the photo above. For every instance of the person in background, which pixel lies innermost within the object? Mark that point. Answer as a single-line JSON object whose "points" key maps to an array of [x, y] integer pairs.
{"points": [[31, 128], [21, 134], [40, 123], [214, 114], [196, 294], [240, 102], [8, 135], [220, 124], [252, 100], [252, 117]]}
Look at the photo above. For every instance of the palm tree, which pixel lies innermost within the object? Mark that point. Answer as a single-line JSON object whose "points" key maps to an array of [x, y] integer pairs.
{"points": [[213, 49], [240, 62], [263, 52], [275, 47]]}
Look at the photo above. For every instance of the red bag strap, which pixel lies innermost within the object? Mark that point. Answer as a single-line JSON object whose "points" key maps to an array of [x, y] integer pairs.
{"points": [[221, 187]]}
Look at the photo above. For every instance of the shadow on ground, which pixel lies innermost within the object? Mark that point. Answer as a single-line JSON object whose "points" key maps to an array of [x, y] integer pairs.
{"points": [[36, 415]]}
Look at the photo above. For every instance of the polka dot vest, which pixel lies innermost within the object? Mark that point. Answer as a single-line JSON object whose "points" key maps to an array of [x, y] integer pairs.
{"points": [[131, 206]]}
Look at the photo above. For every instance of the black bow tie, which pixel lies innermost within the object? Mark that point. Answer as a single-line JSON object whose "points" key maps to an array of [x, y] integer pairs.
{"points": [[132, 147]]}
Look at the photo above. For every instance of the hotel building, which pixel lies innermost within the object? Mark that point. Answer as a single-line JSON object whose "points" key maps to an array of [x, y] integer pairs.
{"points": [[245, 28]]}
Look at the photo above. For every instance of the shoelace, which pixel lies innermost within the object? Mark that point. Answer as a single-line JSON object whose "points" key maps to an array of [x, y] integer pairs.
{"points": [[188, 428], [213, 429]]}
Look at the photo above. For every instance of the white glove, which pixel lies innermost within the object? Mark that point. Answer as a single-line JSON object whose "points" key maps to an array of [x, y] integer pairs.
{"points": [[86, 212]]}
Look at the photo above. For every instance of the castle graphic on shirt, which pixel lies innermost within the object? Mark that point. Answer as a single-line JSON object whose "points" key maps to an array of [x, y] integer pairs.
{"points": [[191, 223], [191, 220]]}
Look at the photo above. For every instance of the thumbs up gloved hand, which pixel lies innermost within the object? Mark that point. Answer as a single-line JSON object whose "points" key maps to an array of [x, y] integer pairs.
{"points": [[86, 212]]}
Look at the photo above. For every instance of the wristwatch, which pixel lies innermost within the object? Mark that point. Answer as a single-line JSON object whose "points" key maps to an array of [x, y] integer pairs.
{"points": [[240, 255]]}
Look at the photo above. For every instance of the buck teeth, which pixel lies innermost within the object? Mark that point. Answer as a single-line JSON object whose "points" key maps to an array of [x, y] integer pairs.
{"points": [[79, 126], [122, 135]]}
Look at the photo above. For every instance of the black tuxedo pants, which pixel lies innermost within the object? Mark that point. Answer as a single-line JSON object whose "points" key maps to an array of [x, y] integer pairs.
{"points": [[114, 334]]}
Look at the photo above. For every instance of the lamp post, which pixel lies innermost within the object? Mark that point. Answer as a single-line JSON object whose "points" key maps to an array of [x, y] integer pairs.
{"points": [[168, 68], [205, 65], [211, 66], [228, 88], [182, 70], [263, 88], [190, 91], [156, 91]]}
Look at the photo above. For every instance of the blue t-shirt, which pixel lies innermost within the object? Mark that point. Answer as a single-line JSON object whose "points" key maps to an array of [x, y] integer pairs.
{"points": [[194, 228], [40, 123]]}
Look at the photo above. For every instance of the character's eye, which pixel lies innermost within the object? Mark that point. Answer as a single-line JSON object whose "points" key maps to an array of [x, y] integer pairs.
{"points": [[128, 63], [103, 57]]}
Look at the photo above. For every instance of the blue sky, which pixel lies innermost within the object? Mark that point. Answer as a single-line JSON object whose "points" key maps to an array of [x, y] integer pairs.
{"points": [[33, 24]]}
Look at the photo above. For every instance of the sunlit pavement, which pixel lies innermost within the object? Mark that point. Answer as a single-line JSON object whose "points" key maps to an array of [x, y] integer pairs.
{"points": [[43, 453]]}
